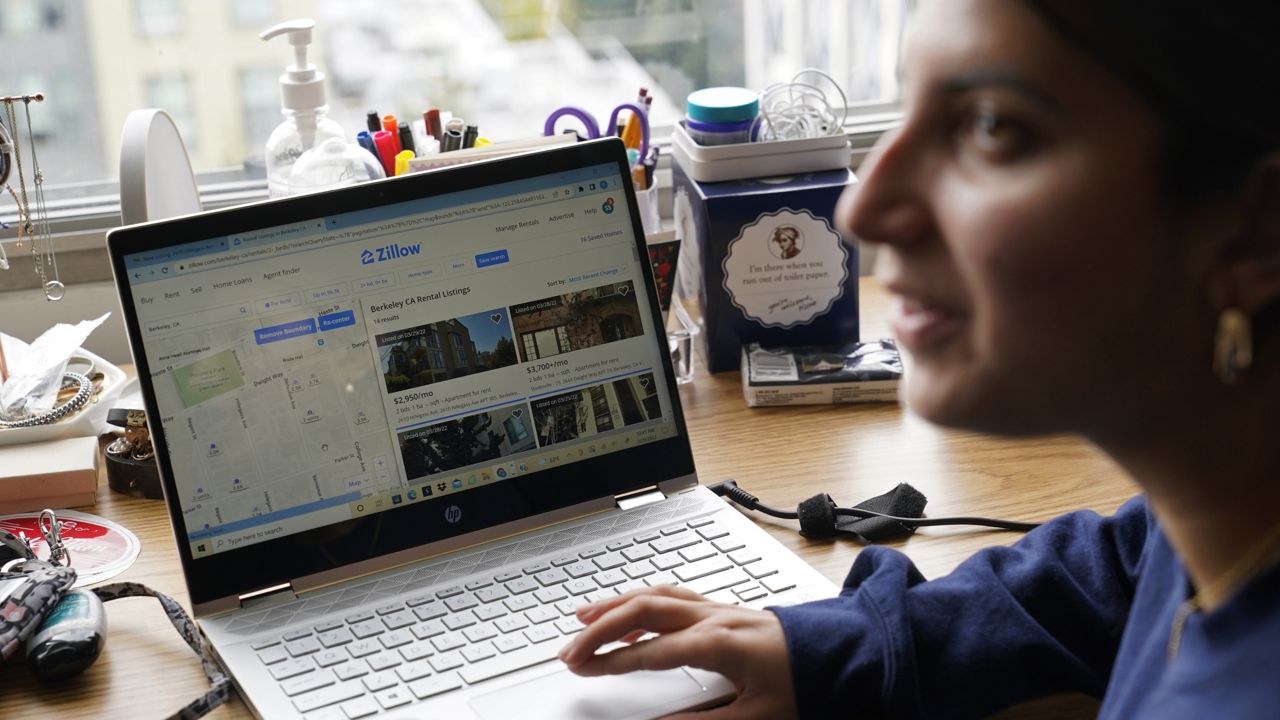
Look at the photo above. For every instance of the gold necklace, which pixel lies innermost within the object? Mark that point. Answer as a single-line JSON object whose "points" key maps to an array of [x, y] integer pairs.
{"points": [[1264, 553]]}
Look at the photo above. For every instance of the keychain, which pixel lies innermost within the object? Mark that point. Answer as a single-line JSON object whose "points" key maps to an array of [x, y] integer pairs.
{"points": [[29, 587]]}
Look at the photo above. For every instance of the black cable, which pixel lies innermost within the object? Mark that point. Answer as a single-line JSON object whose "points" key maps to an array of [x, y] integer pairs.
{"points": [[729, 489]]}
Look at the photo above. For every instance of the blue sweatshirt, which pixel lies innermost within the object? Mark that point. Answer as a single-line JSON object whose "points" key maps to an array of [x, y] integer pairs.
{"points": [[1083, 604]]}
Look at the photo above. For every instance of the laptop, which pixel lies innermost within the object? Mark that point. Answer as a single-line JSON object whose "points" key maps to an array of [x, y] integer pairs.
{"points": [[404, 428]]}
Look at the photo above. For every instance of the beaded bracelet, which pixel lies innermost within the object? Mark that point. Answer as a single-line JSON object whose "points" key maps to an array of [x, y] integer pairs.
{"points": [[76, 402]]}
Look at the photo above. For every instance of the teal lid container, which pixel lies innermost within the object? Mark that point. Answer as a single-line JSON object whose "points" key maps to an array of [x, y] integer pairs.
{"points": [[722, 105]]}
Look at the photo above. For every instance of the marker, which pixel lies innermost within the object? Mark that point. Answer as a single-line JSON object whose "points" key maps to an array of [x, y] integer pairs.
{"points": [[372, 122], [456, 124], [402, 161], [432, 120], [386, 143], [650, 165], [389, 124], [452, 141], [366, 141], [469, 136], [406, 136]]}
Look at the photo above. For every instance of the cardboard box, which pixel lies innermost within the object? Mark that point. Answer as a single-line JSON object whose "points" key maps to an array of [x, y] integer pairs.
{"points": [[54, 474], [857, 372], [761, 261]]}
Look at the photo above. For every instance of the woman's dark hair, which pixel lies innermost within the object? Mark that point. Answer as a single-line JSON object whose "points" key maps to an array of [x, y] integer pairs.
{"points": [[1209, 69]]}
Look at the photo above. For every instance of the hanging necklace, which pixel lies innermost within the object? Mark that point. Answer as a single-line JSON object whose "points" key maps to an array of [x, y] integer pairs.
{"points": [[6, 165], [1262, 555], [34, 225]]}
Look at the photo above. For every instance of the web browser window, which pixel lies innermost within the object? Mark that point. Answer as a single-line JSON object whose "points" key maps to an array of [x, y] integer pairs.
{"points": [[318, 371]]}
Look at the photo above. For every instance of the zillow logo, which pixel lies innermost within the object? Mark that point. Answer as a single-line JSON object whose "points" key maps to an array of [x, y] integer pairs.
{"points": [[389, 252]]}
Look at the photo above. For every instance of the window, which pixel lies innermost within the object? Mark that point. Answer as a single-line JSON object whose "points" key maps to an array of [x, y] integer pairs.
{"points": [[254, 13], [459, 349], [159, 18], [503, 65], [516, 429], [259, 104], [173, 93], [616, 327], [19, 16]]}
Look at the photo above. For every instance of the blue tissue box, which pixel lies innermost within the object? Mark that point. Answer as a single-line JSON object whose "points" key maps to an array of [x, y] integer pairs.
{"points": [[761, 261]]}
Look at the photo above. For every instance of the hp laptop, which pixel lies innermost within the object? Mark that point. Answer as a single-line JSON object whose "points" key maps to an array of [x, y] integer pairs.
{"points": [[405, 428]]}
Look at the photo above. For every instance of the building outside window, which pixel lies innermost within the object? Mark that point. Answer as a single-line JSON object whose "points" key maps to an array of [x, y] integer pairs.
{"points": [[501, 64], [254, 13], [259, 103], [159, 18], [173, 93]]}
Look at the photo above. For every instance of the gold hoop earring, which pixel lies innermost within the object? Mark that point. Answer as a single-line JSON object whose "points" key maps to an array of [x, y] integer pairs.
{"points": [[1233, 346]]}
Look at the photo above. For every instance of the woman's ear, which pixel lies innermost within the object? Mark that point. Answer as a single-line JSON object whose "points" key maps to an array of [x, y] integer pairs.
{"points": [[1247, 275]]}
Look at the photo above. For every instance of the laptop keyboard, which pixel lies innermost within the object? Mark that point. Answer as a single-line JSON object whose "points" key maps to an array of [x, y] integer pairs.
{"points": [[434, 642]]}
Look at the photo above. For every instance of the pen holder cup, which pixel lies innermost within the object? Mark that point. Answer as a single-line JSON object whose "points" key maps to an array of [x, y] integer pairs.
{"points": [[681, 330], [647, 204]]}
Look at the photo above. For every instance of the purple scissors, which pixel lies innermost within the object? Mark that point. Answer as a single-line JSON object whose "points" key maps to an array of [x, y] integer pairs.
{"points": [[593, 128]]}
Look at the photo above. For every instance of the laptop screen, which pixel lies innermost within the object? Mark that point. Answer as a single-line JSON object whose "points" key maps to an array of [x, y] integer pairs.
{"points": [[352, 364]]}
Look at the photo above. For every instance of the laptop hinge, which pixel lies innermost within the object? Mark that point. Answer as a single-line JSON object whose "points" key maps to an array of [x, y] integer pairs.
{"points": [[638, 498], [266, 595]]}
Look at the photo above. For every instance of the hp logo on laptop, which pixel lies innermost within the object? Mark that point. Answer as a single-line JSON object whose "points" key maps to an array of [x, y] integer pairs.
{"points": [[453, 514]]}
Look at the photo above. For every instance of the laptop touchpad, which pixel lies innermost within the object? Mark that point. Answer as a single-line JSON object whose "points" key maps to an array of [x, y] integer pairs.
{"points": [[565, 696]]}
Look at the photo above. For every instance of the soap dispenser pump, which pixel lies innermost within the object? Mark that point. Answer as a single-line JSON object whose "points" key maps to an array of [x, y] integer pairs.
{"points": [[306, 122]]}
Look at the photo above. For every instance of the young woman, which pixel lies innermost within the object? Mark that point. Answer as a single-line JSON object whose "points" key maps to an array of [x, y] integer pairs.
{"points": [[1080, 218]]}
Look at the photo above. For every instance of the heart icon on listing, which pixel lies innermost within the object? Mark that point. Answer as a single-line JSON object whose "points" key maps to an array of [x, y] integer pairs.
{"points": [[625, 290], [644, 381], [518, 412], [496, 318]]}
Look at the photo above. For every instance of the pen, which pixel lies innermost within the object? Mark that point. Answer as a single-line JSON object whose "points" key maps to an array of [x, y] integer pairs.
{"points": [[385, 143], [432, 120], [366, 141], [372, 122], [469, 136], [389, 124], [406, 136]]}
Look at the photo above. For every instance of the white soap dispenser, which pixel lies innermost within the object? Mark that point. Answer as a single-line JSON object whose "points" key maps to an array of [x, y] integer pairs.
{"points": [[303, 105]]}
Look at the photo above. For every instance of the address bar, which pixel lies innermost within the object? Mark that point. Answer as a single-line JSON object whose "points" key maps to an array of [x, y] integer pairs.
{"points": [[399, 225]]}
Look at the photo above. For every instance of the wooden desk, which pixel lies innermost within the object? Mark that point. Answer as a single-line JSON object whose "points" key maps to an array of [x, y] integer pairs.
{"points": [[782, 455]]}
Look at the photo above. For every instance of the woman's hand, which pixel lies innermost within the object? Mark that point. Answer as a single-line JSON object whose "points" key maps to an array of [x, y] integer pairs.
{"points": [[746, 646]]}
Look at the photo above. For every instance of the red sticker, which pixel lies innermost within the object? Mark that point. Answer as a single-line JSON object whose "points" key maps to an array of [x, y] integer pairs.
{"points": [[99, 548]]}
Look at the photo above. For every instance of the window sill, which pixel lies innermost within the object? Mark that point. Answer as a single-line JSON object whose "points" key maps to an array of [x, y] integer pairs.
{"points": [[80, 215]]}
